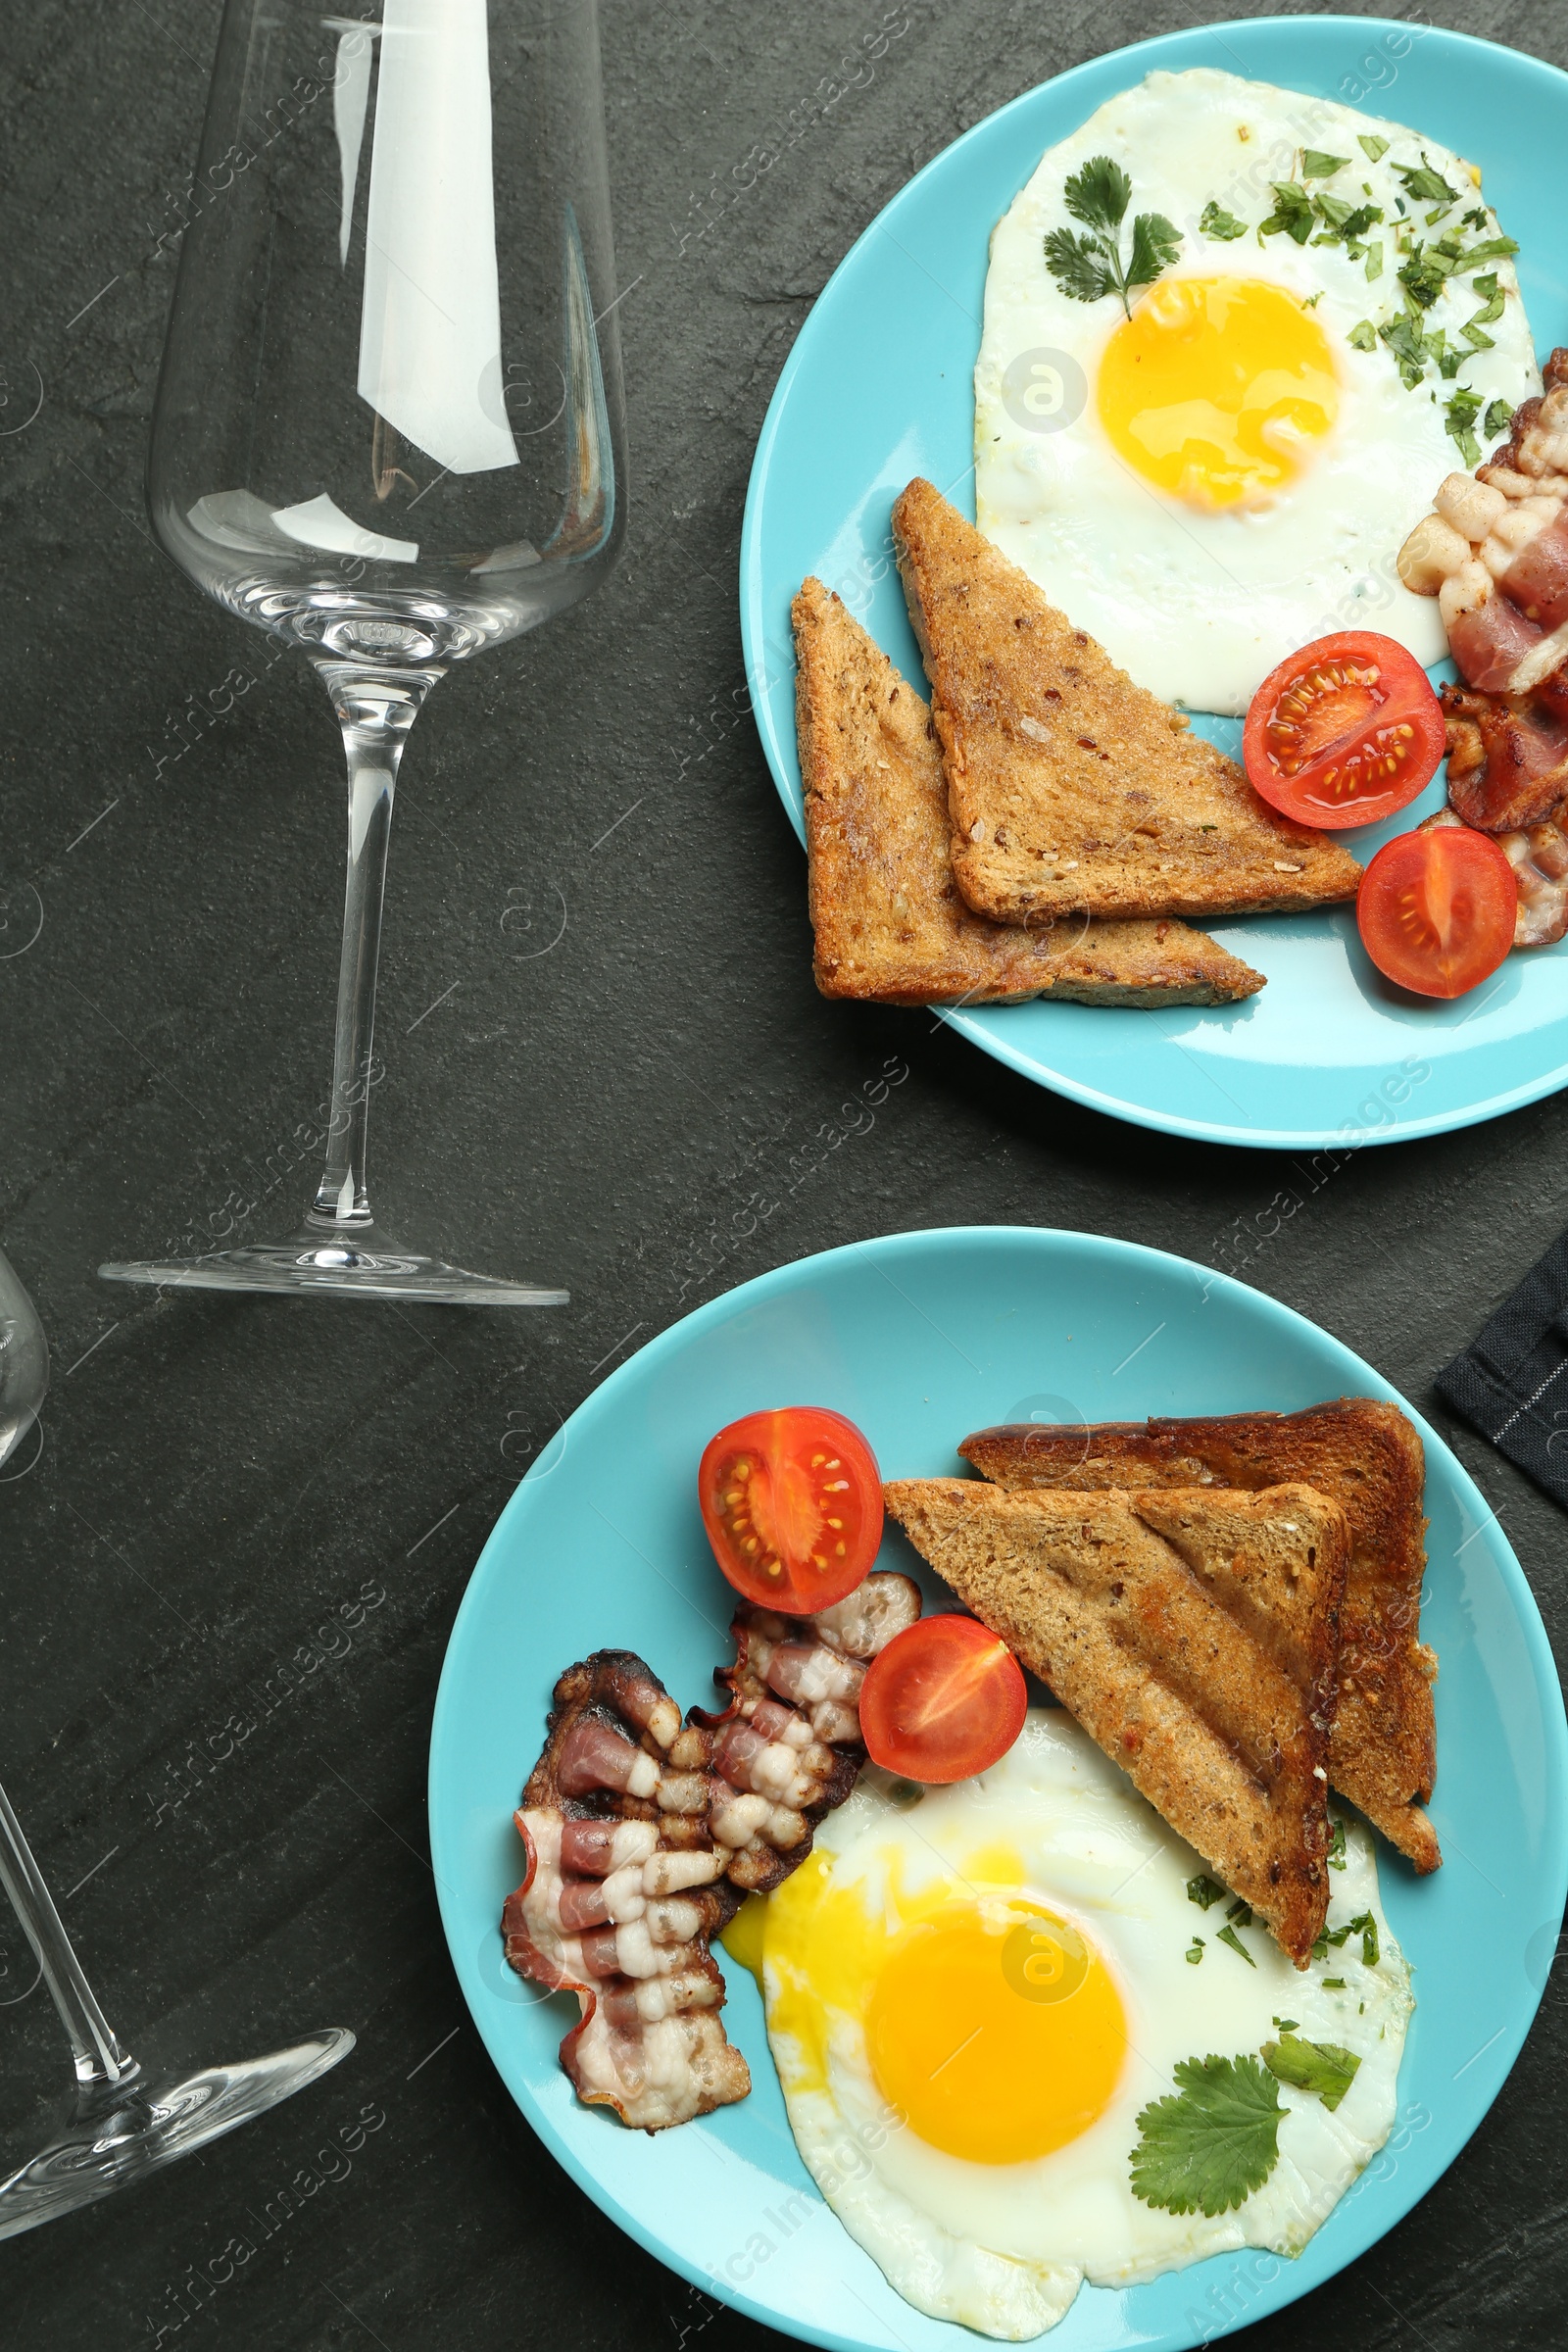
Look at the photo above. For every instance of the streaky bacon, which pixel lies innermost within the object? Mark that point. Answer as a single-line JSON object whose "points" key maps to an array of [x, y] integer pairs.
{"points": [[643, 1834], [1507, 758]]}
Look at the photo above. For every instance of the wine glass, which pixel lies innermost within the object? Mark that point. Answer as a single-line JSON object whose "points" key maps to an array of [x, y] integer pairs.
{"points": [[390, 431], [123, 2120]]}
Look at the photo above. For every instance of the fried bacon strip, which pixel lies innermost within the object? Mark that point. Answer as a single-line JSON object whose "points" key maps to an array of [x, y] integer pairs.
{"points": [[1507, 758], [644, 1834], [1495, 553]]}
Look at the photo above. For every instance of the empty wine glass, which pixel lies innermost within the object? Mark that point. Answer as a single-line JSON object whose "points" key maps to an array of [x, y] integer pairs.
{"points": [[123, 2120], [390, 431]]}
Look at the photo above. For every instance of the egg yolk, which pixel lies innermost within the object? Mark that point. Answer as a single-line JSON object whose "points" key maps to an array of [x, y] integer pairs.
{"points": [[997, 2031], [1216, 389]]}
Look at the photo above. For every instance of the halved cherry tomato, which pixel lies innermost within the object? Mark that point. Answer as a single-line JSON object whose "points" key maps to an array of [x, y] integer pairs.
{"points": [[1437, 909], [792, 1502], [944, 1701], [1345, 732]]}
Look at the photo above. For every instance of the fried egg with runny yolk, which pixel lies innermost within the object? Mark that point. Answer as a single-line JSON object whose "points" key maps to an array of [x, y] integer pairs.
{"points": [[971, 1994], [1224, 464]]}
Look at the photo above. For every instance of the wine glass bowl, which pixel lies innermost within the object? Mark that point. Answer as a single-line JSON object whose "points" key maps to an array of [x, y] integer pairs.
{"points": [[388, 427], [390, 431]]}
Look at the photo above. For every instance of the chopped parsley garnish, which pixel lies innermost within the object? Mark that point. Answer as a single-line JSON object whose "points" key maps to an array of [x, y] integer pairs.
{"points": [[1404, 339], [1475, 219], [1240, 1913], [1333, 1983], [1363, 1923], [1203, 1890], [1336, 1840], [1215, 221], [1293, 213], [1498, 418], [1460, 413], [1325, 2067], [1205, 2149], [1194, 1952], [1286, 2024], [1230, 1936], [1086, 267], [1315, 164], [1374, 261], [1373, 148], [1423, 185]]}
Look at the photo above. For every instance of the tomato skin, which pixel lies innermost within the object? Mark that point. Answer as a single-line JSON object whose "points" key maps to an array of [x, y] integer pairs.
{"points": [[1437, 909], [946, 1699], [1345, 732], [792, 1503]]}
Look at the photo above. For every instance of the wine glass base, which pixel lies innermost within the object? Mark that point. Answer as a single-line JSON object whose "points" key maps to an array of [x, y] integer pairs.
{"points": [[339, 1264], [113, 2139]]}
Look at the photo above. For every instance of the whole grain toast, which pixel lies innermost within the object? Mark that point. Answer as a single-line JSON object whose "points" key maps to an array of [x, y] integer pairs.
{"points": [[1366, 1456], [889, 925], [1068, 786], [1194, 1632]]}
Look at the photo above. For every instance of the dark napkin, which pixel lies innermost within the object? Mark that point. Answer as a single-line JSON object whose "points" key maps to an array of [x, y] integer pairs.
{"points": [[1511, 1383]]}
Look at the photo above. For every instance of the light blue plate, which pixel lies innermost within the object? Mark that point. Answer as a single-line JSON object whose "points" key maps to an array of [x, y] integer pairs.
{"points": [[922, 1338], [879, 387]]}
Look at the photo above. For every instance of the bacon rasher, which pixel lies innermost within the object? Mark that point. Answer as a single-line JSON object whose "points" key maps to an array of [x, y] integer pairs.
{"points": [[643, 1834]]}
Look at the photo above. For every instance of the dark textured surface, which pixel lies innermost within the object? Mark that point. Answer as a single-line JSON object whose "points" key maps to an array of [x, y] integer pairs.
{"points": [[220, 1479]]}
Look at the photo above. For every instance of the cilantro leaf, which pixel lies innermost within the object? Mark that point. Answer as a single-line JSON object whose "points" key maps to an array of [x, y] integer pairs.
{"points": [[1476, 219], [1293, 213], [1336, 1840], [1193, 1953], [1215, 221], [1374, 261], [1203, 1890], [1325, 2067], [1423, 185], [1374, 149], [1475, 335], [1088, 267], [1315, 164], [1363, 336], [1230, 1936], [1079, 265], [1157, 242], [1207, 2148], [1240, 1913], [1498, 418], [1098, 194]]}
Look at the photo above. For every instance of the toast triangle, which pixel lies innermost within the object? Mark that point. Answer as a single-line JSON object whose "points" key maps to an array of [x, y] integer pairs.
{"points": [[1364, 1454], [1194, 1632], [1068, 786], [889, 924]]}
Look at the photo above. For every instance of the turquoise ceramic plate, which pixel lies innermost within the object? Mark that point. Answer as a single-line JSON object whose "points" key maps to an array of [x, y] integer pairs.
{"points": [[878, 387], [919, 1339]]}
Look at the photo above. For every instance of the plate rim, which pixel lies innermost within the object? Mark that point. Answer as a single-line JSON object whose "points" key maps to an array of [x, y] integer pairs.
{"points": [[935, 1240], [975, 1026]]}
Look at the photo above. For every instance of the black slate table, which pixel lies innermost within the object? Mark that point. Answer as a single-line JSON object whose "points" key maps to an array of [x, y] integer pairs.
{"points": [[600, 1039]]}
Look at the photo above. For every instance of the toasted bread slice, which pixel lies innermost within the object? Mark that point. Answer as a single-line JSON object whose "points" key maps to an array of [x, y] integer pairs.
{"points": [[1194, 1633], [1366, 1455], [888, 922], [1068, 786]]}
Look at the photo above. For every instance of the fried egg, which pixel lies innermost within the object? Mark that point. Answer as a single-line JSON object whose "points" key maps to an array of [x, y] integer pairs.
{"points": [[972, 1992], [1221, 470]]}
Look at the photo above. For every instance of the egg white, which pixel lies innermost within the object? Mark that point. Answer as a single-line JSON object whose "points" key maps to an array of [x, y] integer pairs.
{"points": [[1003, 2248], [1199, 605]]}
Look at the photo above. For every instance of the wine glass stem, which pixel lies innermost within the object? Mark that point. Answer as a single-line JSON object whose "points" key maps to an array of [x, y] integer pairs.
{"points": [[99, 2058], [375, 710]]}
